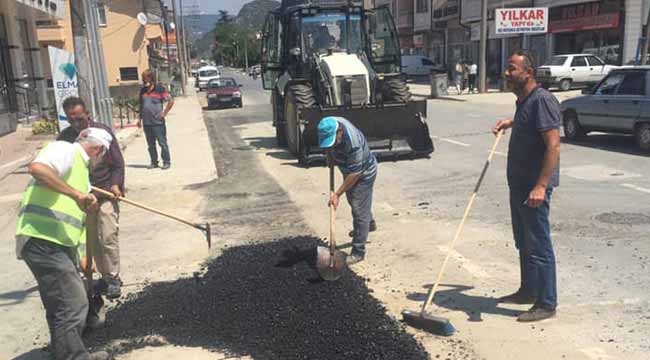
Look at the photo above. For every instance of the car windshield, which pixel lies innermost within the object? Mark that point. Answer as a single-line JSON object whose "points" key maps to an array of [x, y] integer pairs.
{"points": [[207, 73], [222, 83], [328, 31], [558, 60]]}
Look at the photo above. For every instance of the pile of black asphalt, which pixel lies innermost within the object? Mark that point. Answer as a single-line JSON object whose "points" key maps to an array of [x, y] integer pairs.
{"points": [[265, 301]]}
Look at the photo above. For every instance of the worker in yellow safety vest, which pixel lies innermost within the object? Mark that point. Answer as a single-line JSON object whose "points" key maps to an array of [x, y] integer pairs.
{"points": [[50, 230]]}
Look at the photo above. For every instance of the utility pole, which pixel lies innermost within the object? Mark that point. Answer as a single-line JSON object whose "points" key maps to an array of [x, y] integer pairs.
{"points": [[178, 53], [186, 56], [246, 53], [81, 58], [482, 65], [96, 49], [646, 43]]}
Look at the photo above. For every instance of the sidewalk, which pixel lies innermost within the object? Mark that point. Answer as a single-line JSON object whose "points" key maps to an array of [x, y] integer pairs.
{"points": [[493, 96], [152, 248]]}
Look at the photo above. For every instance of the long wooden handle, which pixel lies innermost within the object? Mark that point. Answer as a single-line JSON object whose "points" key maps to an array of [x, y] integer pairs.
{"points": [[332, 213], [144, 207], [459, 230]]}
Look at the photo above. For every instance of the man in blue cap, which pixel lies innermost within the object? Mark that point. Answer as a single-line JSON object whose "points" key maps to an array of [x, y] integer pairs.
{"points": [[346, 147]]}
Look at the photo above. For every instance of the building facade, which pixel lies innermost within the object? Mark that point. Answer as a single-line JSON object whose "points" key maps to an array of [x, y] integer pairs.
{"points": [[22, 82], [129, 47]]}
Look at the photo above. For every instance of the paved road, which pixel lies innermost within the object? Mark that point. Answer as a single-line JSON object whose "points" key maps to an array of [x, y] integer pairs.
{"points": [[600, 218]]}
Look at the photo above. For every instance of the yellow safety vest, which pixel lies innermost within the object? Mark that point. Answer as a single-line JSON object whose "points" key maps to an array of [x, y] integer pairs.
{"points": [[48, 215]]}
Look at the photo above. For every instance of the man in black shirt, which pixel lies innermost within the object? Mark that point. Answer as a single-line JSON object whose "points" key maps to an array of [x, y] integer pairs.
{"points": [[533, 172]]}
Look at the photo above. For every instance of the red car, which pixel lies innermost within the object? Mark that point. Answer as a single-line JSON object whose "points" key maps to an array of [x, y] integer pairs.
{"points": [[224, 92]]}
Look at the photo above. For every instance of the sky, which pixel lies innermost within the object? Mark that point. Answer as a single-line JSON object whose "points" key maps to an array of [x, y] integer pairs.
{"points": [[213, 6]]}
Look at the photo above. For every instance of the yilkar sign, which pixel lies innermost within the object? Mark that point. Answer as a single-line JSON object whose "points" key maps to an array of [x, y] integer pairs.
{"points": [[521, 20], [64, 80]]}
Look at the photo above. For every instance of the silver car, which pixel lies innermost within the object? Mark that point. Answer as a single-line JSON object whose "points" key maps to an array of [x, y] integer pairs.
{"points": [[620, 103]]}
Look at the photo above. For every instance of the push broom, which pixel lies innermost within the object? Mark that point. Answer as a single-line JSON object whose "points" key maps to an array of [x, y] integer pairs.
{"points": [[421, 319]]}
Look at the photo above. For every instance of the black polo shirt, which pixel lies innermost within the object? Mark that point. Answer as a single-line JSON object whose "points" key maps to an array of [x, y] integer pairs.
{"points": [[536, 114]]}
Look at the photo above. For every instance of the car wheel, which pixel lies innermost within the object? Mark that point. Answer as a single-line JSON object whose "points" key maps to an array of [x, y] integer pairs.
{"points": [[565, 85], [643, 136], [572, 128]]}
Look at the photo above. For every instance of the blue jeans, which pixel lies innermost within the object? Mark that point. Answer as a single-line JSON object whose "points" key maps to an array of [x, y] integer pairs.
{"points": [[360, 200], [157, 133], [532, 233]]}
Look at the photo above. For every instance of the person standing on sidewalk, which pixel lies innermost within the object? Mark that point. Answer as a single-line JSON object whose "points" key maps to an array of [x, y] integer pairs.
{"points": [[346, 147], [109, 176], [50, 228], [473, 71], [533, 173], [458, 77], [152, 118]]}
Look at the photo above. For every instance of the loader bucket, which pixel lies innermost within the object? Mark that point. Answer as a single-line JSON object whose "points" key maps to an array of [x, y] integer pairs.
{"points": [[398, 121]]}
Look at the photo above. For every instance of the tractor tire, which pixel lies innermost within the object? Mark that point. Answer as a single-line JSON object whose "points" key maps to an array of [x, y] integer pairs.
{"points": [[297, 96], [278, 122], [395, 90]]}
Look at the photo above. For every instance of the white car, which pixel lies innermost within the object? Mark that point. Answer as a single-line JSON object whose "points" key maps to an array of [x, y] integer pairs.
{"points": [[205, 74], [567, 71], [416, 65]]}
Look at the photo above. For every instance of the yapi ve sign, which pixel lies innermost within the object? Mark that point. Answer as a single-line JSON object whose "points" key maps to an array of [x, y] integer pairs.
{"points": [[521, 20]]}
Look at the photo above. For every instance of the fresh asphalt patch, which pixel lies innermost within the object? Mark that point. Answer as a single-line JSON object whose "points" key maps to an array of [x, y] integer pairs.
{"points": [[265, 301], [261, 296]]}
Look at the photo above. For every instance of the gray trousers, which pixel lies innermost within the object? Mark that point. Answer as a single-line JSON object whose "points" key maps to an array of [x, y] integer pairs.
{"points": [[63, 296], [360, 200], [103, 229]]}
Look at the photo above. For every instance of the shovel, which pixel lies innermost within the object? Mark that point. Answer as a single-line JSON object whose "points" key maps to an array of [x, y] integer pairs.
{"points": [[330, 261]]}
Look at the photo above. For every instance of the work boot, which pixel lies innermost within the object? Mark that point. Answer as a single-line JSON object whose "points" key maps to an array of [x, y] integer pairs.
{"points": [[166, 166], [517, 298], [373, 227], [95, 321], [354, 258], [113, 289], [100, 355], [152, 166], [536, 314]]}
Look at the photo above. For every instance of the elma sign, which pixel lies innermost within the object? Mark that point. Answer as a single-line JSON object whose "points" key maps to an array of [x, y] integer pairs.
{"points": [[521, 20]]}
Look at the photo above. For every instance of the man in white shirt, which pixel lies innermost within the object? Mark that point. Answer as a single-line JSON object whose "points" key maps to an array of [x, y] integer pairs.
{"points": [[473, 71], [51, 230]]}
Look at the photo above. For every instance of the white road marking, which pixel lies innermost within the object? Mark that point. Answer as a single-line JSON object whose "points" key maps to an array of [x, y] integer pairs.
{"points": [[637, 188], [451, 141], [466, 263], [11, 197], [17, 161]]}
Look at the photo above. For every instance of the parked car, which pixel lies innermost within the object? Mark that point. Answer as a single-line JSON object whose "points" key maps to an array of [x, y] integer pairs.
{"points": [[416, 65], [620, 103], [567, 71], [205, 74], [224, 92]]}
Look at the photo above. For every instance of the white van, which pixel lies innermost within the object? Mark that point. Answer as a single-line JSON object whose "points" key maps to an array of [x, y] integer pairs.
{"points": [[416, 65], [205, 74]]}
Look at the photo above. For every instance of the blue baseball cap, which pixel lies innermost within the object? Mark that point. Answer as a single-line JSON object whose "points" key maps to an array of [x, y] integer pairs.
{"points": [[327, 128]]}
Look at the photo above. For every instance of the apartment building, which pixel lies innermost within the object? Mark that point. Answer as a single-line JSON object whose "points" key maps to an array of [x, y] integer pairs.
{"points": [[129, 47], [22, 85]]}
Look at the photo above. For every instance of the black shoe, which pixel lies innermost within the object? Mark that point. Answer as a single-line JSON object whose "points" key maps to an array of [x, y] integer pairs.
{"points": [[95, 321], [354, 258], [113, 289], [100, 355], [152, 166], [373, 227], [166, 166], [536, 314], [517, 298]]}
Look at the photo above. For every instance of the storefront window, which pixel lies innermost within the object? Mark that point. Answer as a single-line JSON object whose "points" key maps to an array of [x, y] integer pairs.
{"points": [[602, 43], [538, 48], [494, 63]]}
